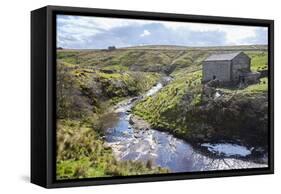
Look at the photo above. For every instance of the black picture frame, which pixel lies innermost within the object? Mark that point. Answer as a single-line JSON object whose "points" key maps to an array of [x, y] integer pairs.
{"points": [[43, 98]]}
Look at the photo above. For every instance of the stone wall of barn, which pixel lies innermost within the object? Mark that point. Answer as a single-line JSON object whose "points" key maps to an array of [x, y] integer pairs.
{"points": [[220, 69], [240, 63]]}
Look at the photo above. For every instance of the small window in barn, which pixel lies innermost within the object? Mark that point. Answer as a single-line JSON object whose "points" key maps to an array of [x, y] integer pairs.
{"points": [[214, 77]]}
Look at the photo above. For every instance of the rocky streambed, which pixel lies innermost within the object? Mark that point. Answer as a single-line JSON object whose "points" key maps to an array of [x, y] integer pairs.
{"points": [[131, 138]]}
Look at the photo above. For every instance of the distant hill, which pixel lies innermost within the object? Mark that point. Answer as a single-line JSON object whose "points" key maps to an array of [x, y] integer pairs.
{"points": [[155, 58], [177, 47]]}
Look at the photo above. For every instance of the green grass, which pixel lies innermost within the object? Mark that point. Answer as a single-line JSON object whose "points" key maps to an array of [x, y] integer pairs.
{"points": [[82, 91], [69, 57], [258, 88], [116, 68], [261, 87], [82, 154], [259, 60], [85, 90], [123, 60], [164, 109], [176, 107], [83, 95]]}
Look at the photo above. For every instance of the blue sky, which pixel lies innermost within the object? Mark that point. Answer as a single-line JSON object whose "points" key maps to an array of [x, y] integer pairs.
{"points": [[81, 32]]}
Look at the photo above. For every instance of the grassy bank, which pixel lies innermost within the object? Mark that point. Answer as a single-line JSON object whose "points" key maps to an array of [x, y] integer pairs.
{"points": [[180, 108], [83, 92], [81, 153], [164, 110], [83, 95]]}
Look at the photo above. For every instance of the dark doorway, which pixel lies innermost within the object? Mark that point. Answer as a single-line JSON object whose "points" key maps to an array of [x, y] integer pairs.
{"points": [[241, 79], [214, 77]]}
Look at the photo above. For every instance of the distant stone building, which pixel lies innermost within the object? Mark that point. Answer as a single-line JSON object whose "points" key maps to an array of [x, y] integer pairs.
{"points": [[111, 48], [229, 68]]}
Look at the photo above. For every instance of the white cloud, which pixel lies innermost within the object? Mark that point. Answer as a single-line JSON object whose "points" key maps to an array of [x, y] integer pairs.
{"points": [[75, 30], [235, 34], [145, 33]]}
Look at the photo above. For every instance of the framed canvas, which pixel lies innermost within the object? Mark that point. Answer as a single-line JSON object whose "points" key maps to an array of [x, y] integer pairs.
{"points": [[126, 96]]}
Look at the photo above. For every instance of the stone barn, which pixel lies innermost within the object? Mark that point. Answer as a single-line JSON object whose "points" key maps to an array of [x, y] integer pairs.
{"points": [[111, 48], [229, 68]]}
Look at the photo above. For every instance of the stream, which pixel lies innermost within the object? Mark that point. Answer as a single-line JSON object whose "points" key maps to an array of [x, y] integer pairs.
{"points": [[165, 150]]}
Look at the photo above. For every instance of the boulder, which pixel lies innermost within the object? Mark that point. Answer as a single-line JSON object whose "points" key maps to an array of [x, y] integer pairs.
{"points": [[138, 123]]}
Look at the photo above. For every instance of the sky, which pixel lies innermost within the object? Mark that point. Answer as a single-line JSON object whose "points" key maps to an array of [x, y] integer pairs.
{"points": [[87, 32]]}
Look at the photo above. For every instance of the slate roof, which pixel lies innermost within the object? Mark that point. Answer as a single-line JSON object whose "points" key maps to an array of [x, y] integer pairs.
{"points": [[222, 57]]}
